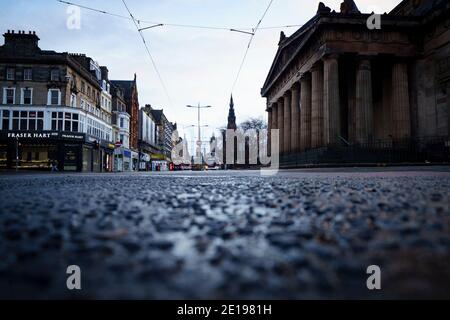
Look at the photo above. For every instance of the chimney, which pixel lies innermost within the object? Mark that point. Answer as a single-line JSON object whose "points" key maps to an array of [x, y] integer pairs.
{"points": [[21, 41], [104, 71]]}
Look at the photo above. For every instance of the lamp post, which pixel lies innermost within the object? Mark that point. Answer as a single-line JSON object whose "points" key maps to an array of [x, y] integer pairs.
{"points": [[199, 141], [17, 154]]}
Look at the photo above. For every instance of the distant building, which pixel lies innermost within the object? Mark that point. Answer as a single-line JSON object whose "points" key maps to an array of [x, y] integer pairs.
{"points": [[165, 129], [231, 124], [121, 131], [50, 111], [130, 91], [339, 91], [148, 138]]}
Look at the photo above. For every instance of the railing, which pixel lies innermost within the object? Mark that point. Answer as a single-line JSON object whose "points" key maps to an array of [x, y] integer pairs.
{"points": [[414, 150]]}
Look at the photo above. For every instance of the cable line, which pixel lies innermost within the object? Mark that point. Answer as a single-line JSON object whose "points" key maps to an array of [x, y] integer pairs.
{"points": [[193, 26], [254, 30], [149, 53]]}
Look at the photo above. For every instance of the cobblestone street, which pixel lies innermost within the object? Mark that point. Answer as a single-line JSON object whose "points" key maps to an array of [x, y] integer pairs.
{"points": [[227, 234]]}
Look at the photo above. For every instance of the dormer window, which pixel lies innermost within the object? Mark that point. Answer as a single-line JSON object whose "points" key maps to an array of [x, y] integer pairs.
{"points": [[10, 73], [54, 75]]}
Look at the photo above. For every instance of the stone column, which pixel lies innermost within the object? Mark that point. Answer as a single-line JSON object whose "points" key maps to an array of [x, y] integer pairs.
{"points": [[317, 107], [274, 116], [295, 117], [305, 112], [280, 122], [401, 118], [269, 126], [287, 122], [331, 102], [448, 110], [364, 103]]}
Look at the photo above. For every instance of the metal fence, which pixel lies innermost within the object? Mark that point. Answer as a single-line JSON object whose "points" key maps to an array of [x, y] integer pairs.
{"points": [[415, 150]]}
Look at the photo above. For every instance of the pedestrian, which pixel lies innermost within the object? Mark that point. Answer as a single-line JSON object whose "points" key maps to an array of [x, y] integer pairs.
{"points": [[54, 166]]}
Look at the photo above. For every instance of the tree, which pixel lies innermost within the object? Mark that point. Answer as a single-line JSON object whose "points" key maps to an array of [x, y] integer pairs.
{"points": [[253, 123]]}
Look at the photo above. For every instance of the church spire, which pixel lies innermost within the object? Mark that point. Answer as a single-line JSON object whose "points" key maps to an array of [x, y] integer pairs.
{"points": [[231, 116]]}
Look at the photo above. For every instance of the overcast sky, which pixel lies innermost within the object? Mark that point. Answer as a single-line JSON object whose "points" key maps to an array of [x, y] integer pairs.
{"points": [[197, 65]]}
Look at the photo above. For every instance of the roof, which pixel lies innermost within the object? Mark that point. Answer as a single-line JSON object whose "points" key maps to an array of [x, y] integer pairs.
{"points": [[126, 85], [289, 47], [157, 114], [416, 8]]}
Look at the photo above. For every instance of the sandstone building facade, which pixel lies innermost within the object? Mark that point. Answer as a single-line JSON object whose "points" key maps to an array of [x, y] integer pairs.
{"points": [[339, 91]]}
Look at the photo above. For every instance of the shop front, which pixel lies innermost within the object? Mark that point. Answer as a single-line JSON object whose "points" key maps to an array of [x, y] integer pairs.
{"points": [[145, 163], [159, 162], [122, 160], [40, 150], [134, 161], [98, 155]]}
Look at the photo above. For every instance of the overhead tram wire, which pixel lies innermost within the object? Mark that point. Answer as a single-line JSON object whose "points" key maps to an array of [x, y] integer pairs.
{"points": [[252, 35], [149, 54], [174, 24]]}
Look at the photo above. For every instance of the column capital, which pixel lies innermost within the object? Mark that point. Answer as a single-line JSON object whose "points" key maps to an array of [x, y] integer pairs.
{"points": [[364, 63], [331, 56], [287, 93], [305, 76], [295, 86], [316, 66]]}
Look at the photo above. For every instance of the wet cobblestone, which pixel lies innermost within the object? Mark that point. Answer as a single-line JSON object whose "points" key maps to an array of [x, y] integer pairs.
{"points": [[225, 235]]}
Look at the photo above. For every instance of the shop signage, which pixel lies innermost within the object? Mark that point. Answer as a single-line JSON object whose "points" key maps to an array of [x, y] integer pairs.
{"points": [[31, 135], [127, 153], [45, 135], [72, 136]]}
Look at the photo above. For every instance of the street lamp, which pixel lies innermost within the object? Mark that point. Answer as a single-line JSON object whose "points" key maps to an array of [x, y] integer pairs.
{"points": [[199, 141]]}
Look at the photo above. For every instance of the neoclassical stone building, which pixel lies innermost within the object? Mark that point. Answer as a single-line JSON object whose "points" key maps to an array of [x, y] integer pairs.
{"points": [[340, 91]]}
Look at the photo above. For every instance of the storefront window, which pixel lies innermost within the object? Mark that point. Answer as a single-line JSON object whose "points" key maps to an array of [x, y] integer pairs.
{"points": [[37, 156], [3, 156]]}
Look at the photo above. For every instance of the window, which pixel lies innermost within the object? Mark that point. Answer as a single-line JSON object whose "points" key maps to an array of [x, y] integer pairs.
{"points": [[27, 74], [54, 75], [121, 122], [54, 97], [9, 95], [5, 120], [83, 87], [26, 120], [27, 96], [10, 73], [65, 121]]}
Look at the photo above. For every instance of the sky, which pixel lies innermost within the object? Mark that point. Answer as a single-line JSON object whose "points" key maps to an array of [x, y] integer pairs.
{"points": [[196, 65]]}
